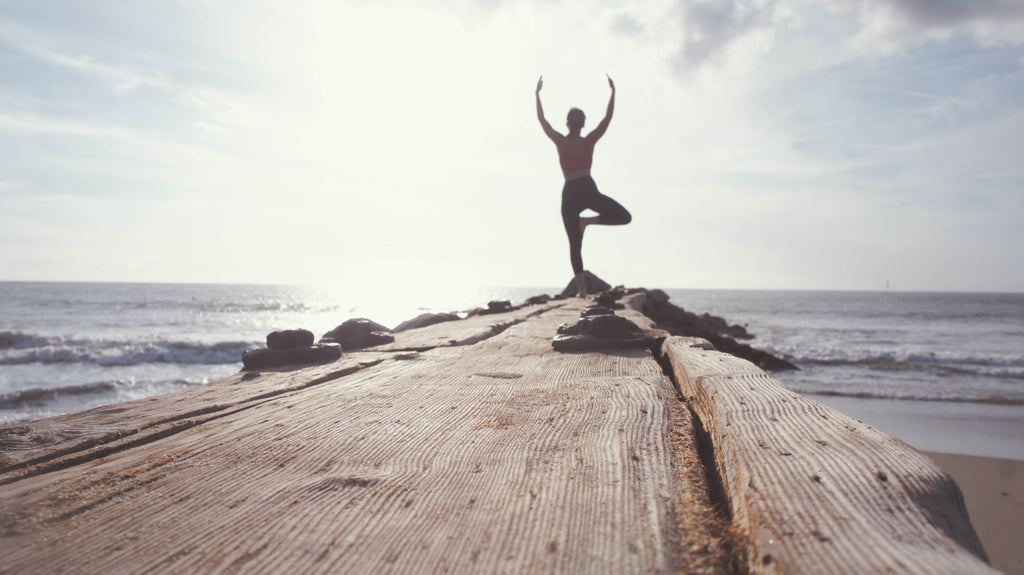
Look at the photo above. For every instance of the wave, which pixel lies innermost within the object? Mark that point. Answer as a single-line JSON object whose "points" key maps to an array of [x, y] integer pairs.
{"points": [[231, 307], [18, 348], [991, 399], [41, 396], [38, 396], [15, 339], [950, 362]]}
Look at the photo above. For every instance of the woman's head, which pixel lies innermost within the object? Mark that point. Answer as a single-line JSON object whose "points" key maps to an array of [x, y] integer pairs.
{"points": [[575, 119]]}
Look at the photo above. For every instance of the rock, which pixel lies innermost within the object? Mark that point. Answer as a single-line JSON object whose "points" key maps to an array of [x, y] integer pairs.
{"points": [[600, 325], [542, 298], [718, 324], [358, 333], [657, 297], [608, 299], [612, 294], [600, 331], [594, 285], [612, 326], [716, 330], [425, 319], [289, 339], [596, 310], [499, 306], [496, 306], [264, 358]]}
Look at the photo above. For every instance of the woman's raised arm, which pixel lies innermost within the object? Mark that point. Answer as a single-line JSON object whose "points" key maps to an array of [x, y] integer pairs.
{"points": [[551, 133], [603, 126]]}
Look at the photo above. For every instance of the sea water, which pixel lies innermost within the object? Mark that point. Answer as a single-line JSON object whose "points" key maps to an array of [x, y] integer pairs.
{"points": [[942, 371], [959, 347], [70, 346]]}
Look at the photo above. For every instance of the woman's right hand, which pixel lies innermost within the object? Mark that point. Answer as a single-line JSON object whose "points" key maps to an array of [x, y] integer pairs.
{"points": [[540, 83]]}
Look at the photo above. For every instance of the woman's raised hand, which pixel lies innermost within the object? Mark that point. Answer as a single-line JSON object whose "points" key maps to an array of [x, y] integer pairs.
{"points": [[610, 83], [540, 83]]}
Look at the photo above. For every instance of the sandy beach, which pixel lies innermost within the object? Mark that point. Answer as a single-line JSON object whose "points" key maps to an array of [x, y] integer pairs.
{"points": [[994, 491]]}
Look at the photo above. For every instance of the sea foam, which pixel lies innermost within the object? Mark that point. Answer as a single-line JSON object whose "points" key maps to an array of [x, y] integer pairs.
{"points": [[21, 348]]}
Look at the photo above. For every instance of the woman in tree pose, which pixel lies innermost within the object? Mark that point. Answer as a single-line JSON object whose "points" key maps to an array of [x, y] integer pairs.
{"points": [[576, 153]]}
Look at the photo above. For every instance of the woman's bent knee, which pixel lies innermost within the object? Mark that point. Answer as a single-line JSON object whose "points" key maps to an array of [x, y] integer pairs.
{"points": [[617, 219]]}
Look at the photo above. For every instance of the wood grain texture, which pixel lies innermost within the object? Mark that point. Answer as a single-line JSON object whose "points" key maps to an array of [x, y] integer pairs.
{"points": [[36, 446], [503, 456], [817, 491], [58, 440], [466, 331]]}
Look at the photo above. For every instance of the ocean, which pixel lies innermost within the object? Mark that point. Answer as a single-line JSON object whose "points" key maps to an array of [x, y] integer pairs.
{"points": [[893, 359], [957, 347]]}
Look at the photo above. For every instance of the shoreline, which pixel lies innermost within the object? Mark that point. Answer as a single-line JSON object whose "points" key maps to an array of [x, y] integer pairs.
{"points": [[993, 490], [960, 428]]}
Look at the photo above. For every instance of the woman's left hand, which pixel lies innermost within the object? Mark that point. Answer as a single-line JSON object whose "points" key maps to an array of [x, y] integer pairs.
{"points": [[610, 83]]}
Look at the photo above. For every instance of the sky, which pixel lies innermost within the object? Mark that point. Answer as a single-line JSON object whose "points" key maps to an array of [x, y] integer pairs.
{"points": [[758, 144]]}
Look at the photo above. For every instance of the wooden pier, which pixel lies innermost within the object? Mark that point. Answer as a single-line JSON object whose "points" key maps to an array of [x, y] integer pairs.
{"points": [[474, 447]]}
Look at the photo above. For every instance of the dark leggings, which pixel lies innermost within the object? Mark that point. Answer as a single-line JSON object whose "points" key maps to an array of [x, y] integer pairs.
{"points": [[581, 194]]}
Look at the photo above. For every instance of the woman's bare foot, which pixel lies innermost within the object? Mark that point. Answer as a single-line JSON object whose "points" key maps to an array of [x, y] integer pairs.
{"points": [[581, 285]]}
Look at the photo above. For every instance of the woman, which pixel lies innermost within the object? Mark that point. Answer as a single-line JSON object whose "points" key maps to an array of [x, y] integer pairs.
{"points": [[579, 193]]}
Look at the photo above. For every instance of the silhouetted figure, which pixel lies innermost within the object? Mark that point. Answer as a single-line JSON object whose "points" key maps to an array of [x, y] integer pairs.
{"points": [[579, 193]]}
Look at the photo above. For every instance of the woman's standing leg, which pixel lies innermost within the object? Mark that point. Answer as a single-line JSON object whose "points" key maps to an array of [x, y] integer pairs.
{"points": [[573, 195], [573, 229]]}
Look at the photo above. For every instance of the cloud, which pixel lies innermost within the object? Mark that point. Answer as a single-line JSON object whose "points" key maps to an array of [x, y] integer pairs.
{"points": [[891, 23], [712, 29], [415, 123], [720, 33], [34, 124], [44, 47], [627, 24], [954, 12]]}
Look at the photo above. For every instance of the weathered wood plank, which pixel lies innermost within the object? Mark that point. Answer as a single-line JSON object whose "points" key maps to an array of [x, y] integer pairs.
{"points": [[466, 331], [816, 491], [31, 447], [55, 441], [503, 456]]}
